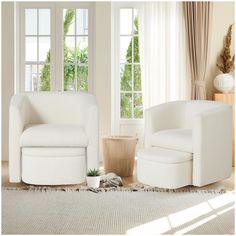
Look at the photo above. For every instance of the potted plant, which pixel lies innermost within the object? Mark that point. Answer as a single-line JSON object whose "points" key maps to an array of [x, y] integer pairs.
{"points": [[93, 178], [225, 82]]}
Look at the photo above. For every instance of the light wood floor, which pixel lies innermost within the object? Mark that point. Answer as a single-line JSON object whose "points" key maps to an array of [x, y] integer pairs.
{"points": [[228, 184]]}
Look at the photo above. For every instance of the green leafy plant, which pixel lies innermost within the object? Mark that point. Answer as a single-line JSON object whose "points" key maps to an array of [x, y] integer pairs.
{"points": [[71, 56], [226, 62], [93, 172]]}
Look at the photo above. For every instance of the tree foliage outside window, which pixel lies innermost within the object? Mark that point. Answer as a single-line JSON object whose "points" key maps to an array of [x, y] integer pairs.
{"points": [[71, 56], [126, 81]]}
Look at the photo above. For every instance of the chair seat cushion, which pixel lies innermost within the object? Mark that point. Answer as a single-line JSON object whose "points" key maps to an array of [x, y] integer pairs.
{"points": [[53, 152], [53, 135], [177, 139], [165, 156]]}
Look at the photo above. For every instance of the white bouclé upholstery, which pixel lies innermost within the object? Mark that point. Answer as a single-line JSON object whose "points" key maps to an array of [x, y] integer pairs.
{"points": [[163, 155], [176, 139], [53, 137], [202, 129]]}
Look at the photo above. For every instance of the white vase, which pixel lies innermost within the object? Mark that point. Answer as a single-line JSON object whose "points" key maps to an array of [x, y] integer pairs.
{"points": [[224, 82], [93, 181]]}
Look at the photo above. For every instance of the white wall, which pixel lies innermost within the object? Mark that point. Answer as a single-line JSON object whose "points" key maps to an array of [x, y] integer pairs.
{"points": [[7, 69], [223, 17]]}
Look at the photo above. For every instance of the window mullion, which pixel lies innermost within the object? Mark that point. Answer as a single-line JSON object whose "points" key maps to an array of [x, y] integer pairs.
{"points": [[53, 76], [59, 49], [76, 62], [132, 73], [38, 83]]}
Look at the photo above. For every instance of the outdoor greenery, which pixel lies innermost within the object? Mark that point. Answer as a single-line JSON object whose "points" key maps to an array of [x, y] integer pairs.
{"points": [[126, 80], [75, 76]]}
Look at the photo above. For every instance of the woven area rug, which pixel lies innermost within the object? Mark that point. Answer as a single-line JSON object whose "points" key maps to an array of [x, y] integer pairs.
{"points": [[116, 212], [135, 187]]}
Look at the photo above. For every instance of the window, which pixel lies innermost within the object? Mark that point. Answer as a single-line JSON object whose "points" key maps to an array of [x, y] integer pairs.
{"points": [[37, 49], [75, 49], [55, 46], [129, 62]]}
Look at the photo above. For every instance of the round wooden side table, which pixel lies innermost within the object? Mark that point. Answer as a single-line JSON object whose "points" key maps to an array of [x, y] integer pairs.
{"points": [[118, 154]]}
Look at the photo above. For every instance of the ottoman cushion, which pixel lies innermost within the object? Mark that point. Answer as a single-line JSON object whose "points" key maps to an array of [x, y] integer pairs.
{"points": [[162, 155]]}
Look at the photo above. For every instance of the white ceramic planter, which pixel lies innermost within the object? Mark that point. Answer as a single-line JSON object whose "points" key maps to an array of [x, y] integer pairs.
{"points": [[93, 181], [224, 83]]}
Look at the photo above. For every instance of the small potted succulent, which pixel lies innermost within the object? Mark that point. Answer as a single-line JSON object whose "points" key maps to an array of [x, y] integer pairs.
{"points": [[93, 178]]}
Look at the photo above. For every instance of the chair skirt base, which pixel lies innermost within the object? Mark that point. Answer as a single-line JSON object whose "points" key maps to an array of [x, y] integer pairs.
{"points": [[54, 170], [163, 175]]}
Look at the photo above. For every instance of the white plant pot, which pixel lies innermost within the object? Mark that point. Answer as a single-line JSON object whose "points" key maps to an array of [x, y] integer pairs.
{"points": [[93, 181], [224, 83]]}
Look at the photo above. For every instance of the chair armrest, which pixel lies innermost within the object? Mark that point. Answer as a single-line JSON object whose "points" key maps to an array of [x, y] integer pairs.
{"points": [[17, 122], [91, 130], [163, 116], [212, 146]]}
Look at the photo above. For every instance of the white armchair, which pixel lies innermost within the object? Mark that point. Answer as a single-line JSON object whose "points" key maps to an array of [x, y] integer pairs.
{"points": [[200, 133], [53, 137]]}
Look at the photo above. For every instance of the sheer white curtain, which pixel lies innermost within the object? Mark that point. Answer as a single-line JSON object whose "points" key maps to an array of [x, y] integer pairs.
{"points": [[162, 53]]}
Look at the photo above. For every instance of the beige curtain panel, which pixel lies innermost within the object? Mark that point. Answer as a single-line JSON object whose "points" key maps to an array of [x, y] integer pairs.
{"points": [[197, 17]]}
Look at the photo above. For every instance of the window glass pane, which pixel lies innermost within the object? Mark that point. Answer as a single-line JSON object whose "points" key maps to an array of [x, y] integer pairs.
{"points": [[44, 75], [70, 42], [69, 77], [82, 42], [69, 21], [31, 49], [126, 21], [136, 49], [125, 49], [126, 77], [138, 106], [82, 78], [126, 105], [44, 21], [137, 78], [135, 21], [31, 77], [69, 50], [82, 21], [30, 21], [82, 54], [44, 48]]}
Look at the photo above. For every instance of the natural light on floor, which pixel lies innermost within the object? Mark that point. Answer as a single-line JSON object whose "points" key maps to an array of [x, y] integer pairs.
{"points": [[198, 214]]}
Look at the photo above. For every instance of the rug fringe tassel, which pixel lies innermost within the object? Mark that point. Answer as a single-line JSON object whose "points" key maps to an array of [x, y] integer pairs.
{"points": [[112, 189]]}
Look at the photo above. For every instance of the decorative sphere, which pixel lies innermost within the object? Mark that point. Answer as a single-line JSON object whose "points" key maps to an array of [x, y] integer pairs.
{"points": [[224, 83]]}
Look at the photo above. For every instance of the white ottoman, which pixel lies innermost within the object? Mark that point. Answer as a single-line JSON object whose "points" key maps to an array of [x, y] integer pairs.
{"points": [[53, 165], [164, 168]]}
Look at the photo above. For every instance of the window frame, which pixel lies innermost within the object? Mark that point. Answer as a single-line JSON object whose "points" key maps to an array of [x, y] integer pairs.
{"points": [[116, 91], [56, 42]]}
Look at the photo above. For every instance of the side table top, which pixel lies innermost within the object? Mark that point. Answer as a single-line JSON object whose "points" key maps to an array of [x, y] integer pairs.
{"points": [[120, 137]]}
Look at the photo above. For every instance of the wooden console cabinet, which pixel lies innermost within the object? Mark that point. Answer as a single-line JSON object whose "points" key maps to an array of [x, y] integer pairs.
{"points": [[229, 99]]}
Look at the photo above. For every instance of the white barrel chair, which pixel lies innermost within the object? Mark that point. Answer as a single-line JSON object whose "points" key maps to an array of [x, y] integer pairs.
{"points": [[186, 143], [53, 137]]}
